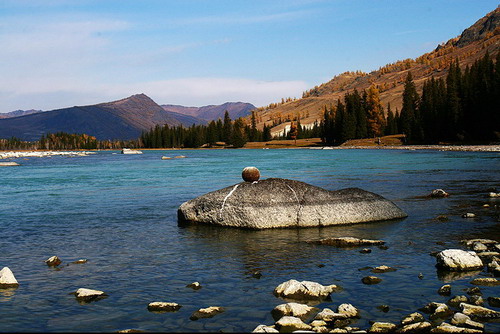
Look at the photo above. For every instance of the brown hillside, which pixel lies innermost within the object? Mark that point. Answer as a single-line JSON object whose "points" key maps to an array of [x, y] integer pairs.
{"points": [[471, 45]]}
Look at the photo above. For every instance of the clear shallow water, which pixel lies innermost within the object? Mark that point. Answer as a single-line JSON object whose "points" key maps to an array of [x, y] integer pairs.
{"points": [[120, 213]]}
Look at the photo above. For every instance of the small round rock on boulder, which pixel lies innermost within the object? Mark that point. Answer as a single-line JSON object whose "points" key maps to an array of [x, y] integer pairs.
{"points": [[250, 174]]}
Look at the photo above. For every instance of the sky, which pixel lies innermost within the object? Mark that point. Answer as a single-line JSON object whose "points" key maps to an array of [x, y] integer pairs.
{"points": [[61, 53]]}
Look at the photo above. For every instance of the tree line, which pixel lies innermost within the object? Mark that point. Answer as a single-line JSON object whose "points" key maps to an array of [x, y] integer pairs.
{"points": [[464, 106], [227, 132]]}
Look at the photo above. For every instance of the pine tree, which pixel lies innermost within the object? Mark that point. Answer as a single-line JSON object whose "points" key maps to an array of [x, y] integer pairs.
{"points": [[408, 118], [375, 113], [227, 128]]}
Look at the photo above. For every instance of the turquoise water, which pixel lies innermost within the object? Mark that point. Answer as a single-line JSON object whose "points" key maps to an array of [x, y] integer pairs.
{"points": [[120, 213]]}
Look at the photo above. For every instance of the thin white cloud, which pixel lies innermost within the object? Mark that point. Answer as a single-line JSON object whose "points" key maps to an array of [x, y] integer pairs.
{"points": [[241, 19]]}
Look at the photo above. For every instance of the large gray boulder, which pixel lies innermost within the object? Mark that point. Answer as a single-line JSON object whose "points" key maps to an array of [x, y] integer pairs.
{"points": [[275, 203]]}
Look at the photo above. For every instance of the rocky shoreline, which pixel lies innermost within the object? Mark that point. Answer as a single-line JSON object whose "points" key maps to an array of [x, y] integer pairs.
{"points": [[42, 154], [463, 313]]}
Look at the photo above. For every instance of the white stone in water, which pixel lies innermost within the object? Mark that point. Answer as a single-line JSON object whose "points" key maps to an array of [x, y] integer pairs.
{"points": [[84, 293], [458, 260], [447, 328], [163, 307], [7, 278], [303, 290], [194, 285], [469, 215], [53, 261], [492, 194], [462, 320], [488, 281]]}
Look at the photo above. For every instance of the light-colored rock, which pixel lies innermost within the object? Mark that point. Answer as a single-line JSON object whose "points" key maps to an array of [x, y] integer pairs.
{"points": [[412, 318], [469, 215], [80, 261], [470, 242], [493, 195], [382, 269], [436, 193], [318, 323], [462, 320], [163, 307], [458, 260], [347, 242], [476, 300], [301, 311], [447, 328], [329, 315], [487, 281], [7, 278], [457, 300], [53, 261], [84, 294], [208, 312], [8, 163], [442, 311], [382, 327], [445, 290], [194, 285], [479, 247], [165, 158], [304, 290], [339, 330], [349, 310], [289, 324], [265, 329], [320, 329], [479, 312], [130, 151], [417, 327], [273, 203]]}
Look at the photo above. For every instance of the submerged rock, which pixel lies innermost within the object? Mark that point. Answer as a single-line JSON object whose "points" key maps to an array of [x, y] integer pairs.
{"points": [[329, 315], [304, 290], [487, 281], [8, 163], [274, 203], [382, 269], [371, 280], [346, 242], [462, 320], [458, 260], [7, 279], [417, 327], [436, 193]]}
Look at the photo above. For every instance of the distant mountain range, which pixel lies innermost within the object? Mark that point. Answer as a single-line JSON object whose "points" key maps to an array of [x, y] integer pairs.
{"points": [[213, 112], [123, 119], [17, 113]]}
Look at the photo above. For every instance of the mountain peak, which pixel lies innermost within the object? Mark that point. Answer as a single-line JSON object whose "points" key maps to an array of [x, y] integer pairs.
{"points": [[489, 24]]}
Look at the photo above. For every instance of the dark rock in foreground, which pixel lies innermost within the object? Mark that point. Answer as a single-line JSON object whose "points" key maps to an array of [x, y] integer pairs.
{"points": [[275, 203]]}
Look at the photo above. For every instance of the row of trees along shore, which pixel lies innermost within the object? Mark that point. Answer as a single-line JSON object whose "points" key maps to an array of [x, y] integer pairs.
{"points": [[463, 107]]}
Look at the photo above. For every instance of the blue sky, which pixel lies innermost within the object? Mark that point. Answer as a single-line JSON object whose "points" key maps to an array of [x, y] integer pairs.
{"points": [[61, 53]]}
